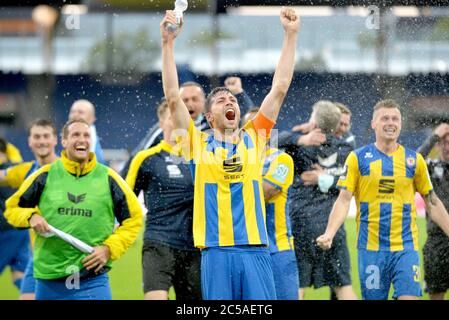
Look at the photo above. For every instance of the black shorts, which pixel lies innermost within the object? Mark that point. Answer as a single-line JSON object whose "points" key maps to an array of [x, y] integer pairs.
{"points": [[318, 268], [436, 264], [163, 267]]}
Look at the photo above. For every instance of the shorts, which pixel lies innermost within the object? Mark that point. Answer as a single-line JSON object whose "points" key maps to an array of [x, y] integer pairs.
{"points": [[237, 273], [379, 269], [164, 266], [14, 249], [93, 288], [285, 272], [28, 282], [317, 267], [436, 264]]}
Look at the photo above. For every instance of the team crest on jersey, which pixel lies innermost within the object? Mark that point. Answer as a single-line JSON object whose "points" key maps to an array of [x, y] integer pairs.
{"points": [[410, 161], [281, 172], [368, 155]]}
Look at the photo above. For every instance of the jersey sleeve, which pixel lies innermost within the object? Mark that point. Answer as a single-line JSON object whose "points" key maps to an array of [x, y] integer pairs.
{"points": [[16, 175], [13, 154], [24, 203], [127, 211], [135, 178], [262, 125], [421, 179], [280, 172], [348, 181]]}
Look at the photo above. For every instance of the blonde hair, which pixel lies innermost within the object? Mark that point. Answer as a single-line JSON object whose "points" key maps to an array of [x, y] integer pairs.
{"points": [[327, 116], [387, 103], [343, 109]]}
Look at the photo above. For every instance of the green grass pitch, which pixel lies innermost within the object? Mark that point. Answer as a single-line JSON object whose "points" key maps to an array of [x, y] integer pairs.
{"points": [[126, 274]]}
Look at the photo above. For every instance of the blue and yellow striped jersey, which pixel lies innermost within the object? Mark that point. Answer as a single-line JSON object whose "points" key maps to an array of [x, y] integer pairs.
{"points": [[278, 171], [384, 187], [229, 207]]}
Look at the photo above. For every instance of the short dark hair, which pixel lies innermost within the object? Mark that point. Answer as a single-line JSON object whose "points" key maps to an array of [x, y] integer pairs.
{"points": [[3, 145], [40, 122], [212, 95], [65, 128], [387, 103]]}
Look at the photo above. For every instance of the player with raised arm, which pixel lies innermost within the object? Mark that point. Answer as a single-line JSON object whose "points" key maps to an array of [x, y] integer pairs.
{"points": [[229, 219]]}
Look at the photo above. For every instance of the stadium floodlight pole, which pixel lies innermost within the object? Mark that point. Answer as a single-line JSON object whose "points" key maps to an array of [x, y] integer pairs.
{"points": [[77, 243]]}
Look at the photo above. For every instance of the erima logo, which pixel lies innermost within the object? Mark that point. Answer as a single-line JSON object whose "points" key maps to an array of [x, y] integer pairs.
{"points": [[386, 186], [76, 199], [368, 155], [232, 165], [75, 212]]}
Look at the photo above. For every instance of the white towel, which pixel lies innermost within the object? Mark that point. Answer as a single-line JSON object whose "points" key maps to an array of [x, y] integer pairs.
{"points": [[77, 243]]}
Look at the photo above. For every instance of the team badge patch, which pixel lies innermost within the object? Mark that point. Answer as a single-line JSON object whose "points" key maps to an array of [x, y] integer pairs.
{"points": [[410, 161], [281, 172]]}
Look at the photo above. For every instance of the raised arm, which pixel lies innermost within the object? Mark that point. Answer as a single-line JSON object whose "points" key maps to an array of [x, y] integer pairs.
{"points": [[436, 136], [178, 110], [284, 71]]}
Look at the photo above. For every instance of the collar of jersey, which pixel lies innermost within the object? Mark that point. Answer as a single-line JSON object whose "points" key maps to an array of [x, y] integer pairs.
{"points": [[168, 148], [399, 149], [74, 167]]}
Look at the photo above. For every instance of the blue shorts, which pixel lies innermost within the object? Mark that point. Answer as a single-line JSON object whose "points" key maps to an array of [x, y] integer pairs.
{"points": [[94, 288], [379, 269], [14, 249], [28, 281], [285, 272], [237, 273]]}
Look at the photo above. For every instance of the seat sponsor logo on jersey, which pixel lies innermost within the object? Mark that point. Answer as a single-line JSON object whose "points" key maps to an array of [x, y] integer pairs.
{"points": [[386, 186], [232, 165]]}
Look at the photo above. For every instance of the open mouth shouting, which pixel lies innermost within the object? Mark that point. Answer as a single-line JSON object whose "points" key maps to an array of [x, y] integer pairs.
{"points": [[230, 114]]}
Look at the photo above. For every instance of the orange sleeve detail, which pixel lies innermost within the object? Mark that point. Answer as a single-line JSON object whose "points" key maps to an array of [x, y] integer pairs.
{"points": [[263, 124]]}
